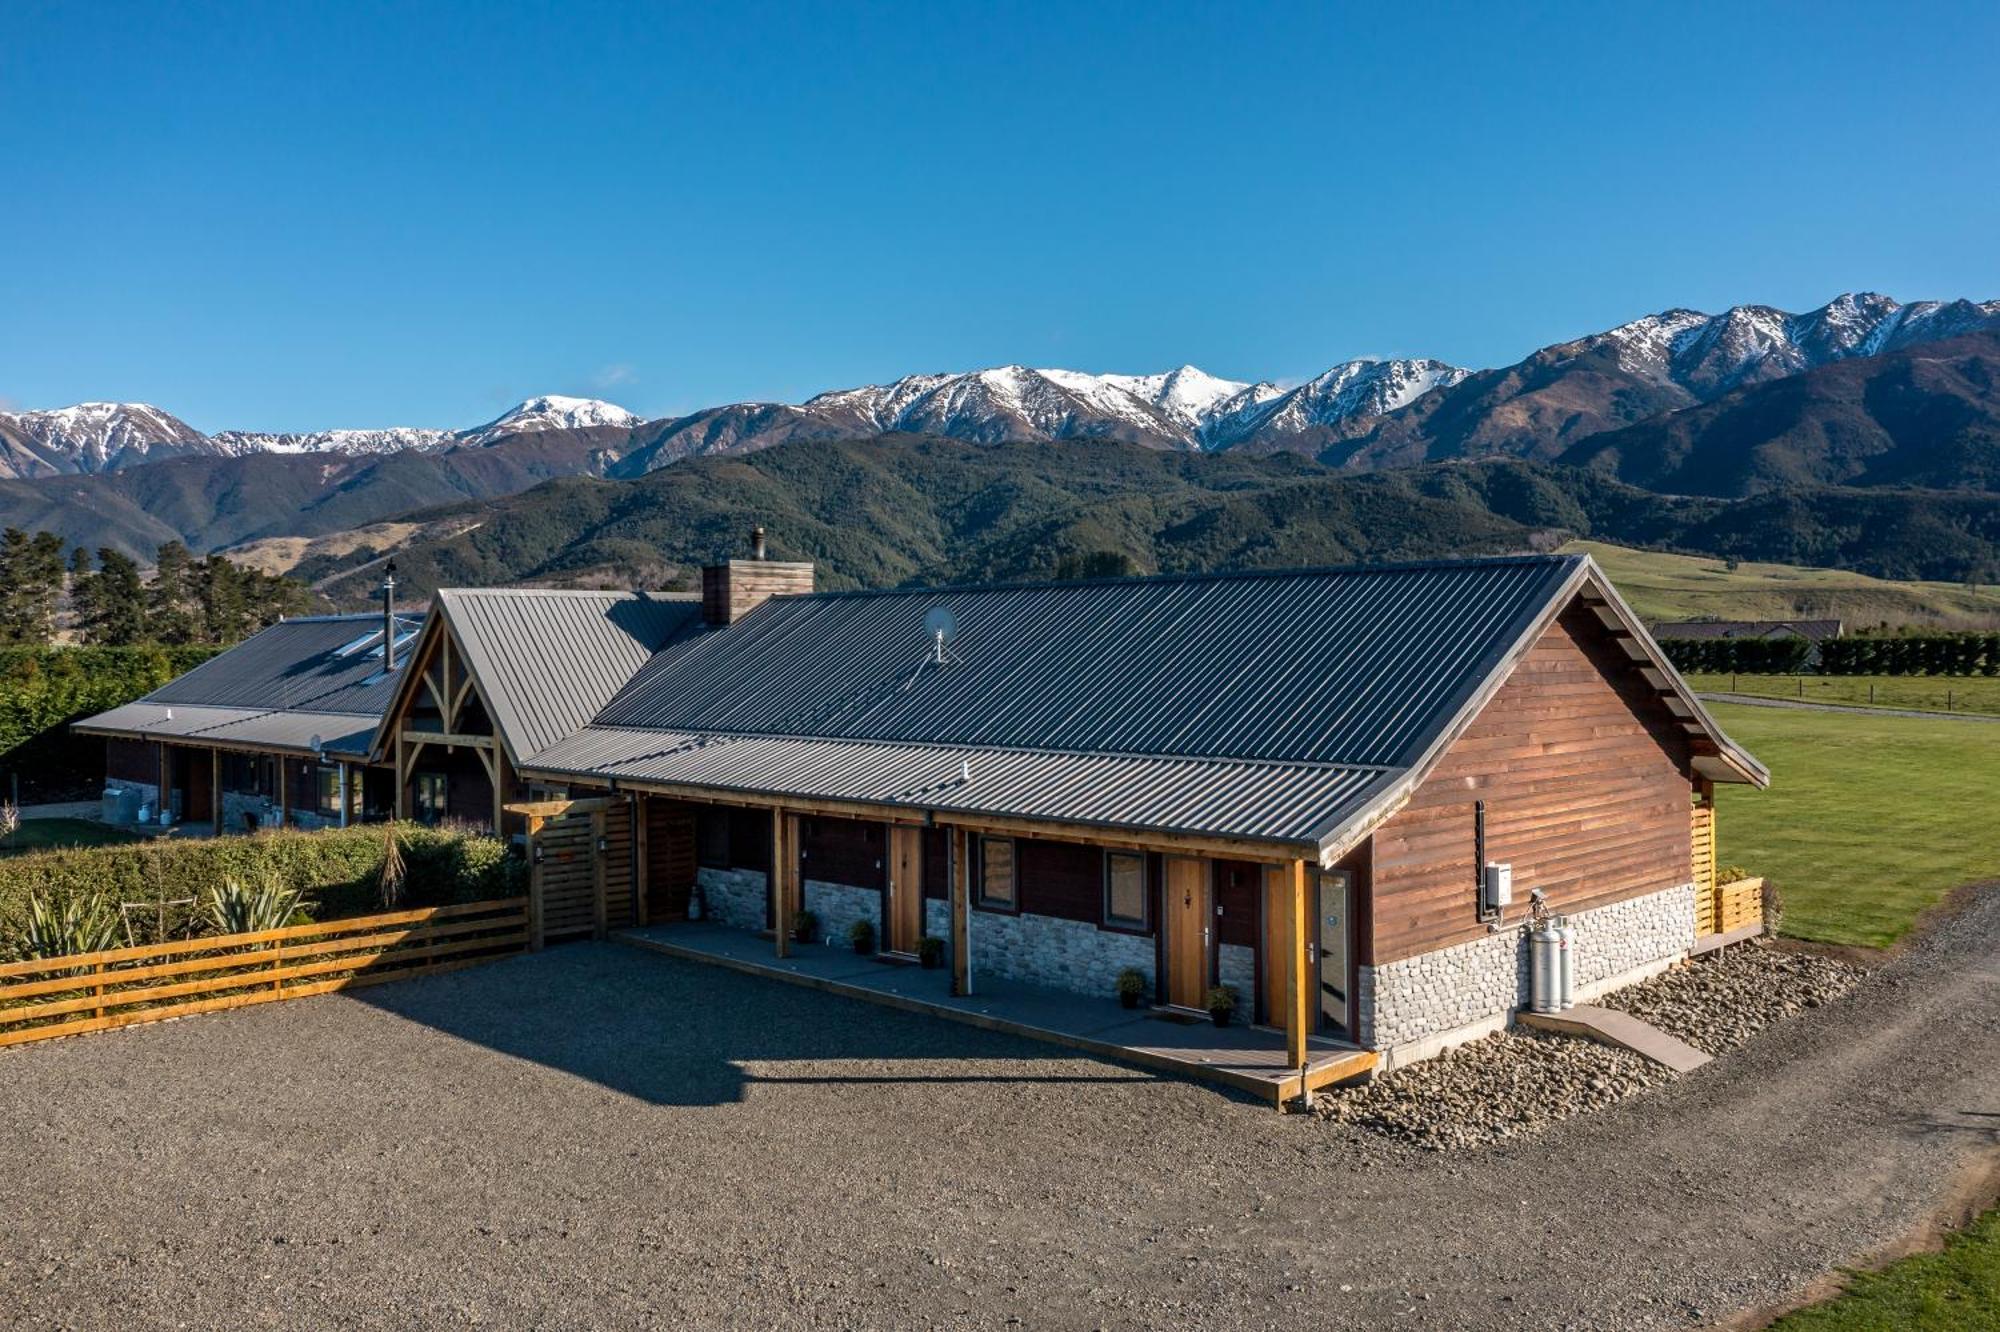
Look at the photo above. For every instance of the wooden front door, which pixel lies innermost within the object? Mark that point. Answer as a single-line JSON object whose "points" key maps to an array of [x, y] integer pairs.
{"points": [[1187, 927], [906, 888], [1336, 894]]}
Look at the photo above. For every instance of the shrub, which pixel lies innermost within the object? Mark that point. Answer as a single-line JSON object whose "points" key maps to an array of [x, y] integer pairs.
{"points": [[336, 872], [1774, 907], [930, 951], [862, 935], [235, 908], [1731, 874], [1132, 986], [83, 924], [1222, 999], [805, 927]]}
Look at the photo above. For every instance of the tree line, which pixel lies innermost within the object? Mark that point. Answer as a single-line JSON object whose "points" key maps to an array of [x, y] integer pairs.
{"points": [[1956, 654], [109, 601]]}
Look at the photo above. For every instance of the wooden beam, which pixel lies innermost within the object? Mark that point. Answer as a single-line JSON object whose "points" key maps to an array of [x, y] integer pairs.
{"points": [[536, 886], [448, 738], [961, 913], [403, 786], [642, 875], [1298, 1009], [600, 909], [784, 827], [555, 809]]}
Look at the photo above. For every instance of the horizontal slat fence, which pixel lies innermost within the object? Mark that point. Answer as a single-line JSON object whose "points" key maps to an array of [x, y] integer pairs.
{"points": [[1738, 904], [67, 996]]}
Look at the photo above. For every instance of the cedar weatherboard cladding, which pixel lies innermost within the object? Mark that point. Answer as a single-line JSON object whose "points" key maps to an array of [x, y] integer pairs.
{"points": [[1585, 779]]}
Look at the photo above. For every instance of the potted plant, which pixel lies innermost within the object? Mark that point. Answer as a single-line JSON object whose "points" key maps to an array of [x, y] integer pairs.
{"points": [[862, 935], [930, 952], [805, 927], [1221, 1004], [1132, 987]]}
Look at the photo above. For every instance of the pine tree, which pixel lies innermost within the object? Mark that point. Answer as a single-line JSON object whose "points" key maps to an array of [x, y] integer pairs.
{"points": [[118, 601], [171, 604], [31, 583]]}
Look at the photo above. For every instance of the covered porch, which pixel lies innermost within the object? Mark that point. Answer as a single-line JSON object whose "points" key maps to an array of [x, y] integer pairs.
{"points": [[1255, 1061]]}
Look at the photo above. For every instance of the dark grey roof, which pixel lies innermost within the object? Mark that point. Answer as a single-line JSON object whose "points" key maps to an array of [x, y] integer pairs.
{"points": [[293, 666], [1814, 630], [1356, 666], [344, 734], [1280, 802], [548, 659]]}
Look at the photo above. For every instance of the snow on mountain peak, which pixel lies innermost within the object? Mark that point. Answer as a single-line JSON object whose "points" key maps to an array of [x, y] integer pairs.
{"points": [[551, 411]]}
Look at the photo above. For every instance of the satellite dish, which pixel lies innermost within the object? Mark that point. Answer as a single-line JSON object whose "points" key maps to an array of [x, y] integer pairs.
{"points": [[939, 622]]}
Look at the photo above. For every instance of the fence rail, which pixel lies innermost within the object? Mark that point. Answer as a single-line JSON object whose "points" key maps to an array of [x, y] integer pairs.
{"points": [[66, 996]]}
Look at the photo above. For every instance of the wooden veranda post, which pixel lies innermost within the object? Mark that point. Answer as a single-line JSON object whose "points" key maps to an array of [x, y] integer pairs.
{"points": [[961, 913], [600, 908], [784, 876], [1298, 991], [215, 788], [534, 883]]}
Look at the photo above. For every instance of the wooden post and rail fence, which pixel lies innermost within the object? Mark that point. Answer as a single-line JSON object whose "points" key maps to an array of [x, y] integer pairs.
{"points": [[45, 998]]}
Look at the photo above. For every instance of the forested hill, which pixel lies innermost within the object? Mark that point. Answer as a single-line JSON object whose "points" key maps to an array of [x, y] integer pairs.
{"points": [[900, 509]]}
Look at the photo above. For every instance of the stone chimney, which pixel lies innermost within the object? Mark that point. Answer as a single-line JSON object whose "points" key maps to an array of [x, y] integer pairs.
{"points": [[734, 588]]}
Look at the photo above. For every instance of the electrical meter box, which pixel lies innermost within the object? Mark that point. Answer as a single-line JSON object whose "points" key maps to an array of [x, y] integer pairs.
{"points": [[1499, 888]]}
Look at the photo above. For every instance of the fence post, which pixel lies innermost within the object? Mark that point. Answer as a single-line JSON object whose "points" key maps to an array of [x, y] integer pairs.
{"points": [[97, 989]]}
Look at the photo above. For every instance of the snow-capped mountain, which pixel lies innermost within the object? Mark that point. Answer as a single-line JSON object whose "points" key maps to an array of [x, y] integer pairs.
{"points": [[107, 436], [1710, 354], [394, 439], [551, 412], [92, 437]]}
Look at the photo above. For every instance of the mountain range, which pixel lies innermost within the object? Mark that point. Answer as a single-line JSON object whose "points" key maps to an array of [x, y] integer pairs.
{"points": [[1864, 393]]}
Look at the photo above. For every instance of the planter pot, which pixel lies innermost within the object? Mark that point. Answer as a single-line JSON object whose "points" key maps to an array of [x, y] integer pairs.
{"points": [[1219, 1016], [929, 961], [1128, 1001], [863, 948]]}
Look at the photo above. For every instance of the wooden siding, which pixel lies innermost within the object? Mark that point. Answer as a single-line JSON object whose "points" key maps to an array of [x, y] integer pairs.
{"points": [[132, 761], [1585, 778], [848, 851], [669, 851]]}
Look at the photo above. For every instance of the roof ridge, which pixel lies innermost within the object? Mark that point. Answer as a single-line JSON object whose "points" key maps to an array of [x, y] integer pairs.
{"points": [[633, 593], [1212, 576]]}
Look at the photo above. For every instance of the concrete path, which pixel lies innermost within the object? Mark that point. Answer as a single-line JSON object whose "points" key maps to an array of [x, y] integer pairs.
{"points": [[1612, 1027], [596, 1136], [1807, 705]]}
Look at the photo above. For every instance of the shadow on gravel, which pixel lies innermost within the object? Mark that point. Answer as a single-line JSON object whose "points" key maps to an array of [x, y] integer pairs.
{"points": [[680, 1033]]}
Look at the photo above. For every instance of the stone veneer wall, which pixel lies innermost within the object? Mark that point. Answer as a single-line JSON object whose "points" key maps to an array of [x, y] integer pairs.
{"points": [[1064, 954], [838, 906], [1425, 996], [733, 897], [1236, 967]]}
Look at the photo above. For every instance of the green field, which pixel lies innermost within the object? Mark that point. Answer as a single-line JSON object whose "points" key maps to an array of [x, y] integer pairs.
{"points": [[41, 834], [1868, 819], [1923, 693], [1687, 587], [1939, 1292]]}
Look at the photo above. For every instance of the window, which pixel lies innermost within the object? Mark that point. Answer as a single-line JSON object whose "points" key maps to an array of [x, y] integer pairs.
{"points": [[329, 792], [430, 795], [1125, 889], [711, 838], [996, 874]]}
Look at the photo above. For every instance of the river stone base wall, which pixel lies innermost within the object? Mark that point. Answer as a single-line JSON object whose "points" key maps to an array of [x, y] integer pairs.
{"points": [[1469, 989], [838, 906]]}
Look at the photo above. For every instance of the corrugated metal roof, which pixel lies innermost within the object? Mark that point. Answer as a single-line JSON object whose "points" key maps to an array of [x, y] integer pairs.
{"points": [[548, 659], [1280, 802], [1353, 666], [293, 665], [342, 733]]}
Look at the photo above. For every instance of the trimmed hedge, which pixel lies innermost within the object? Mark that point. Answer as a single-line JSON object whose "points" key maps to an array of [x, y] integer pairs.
{"points": [[44, 689], [1903, 654], [337, 871]]}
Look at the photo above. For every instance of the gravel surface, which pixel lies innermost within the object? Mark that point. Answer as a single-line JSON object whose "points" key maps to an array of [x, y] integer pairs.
{"points": [[1506, 1085], [595, 1136], [1717, 1002]]}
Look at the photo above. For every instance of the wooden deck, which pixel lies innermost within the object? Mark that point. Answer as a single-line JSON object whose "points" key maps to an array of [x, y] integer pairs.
{"points": [[1248, 1059]]}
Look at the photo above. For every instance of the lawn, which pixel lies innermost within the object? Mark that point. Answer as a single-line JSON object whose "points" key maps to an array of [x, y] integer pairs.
{"points": [[41, 834], [1688, 587], [1922, 693], [1956, 1289], [1868, 820]]}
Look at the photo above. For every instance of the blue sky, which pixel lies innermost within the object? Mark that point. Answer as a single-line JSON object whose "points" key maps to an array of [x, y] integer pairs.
{"points": [[297, 216]]}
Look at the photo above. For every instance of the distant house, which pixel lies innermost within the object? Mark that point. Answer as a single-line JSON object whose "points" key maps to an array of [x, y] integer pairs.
{"points": [[1292, 783], [1813, 632]]}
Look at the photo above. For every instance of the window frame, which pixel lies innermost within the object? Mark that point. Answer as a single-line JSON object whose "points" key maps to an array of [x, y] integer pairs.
{"points": [[1010, 905], [418, 800], [1110, 920], [326, 793]]}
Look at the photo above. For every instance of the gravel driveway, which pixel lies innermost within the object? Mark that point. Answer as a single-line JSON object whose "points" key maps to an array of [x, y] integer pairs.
{"points": [[597, 1136]]}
